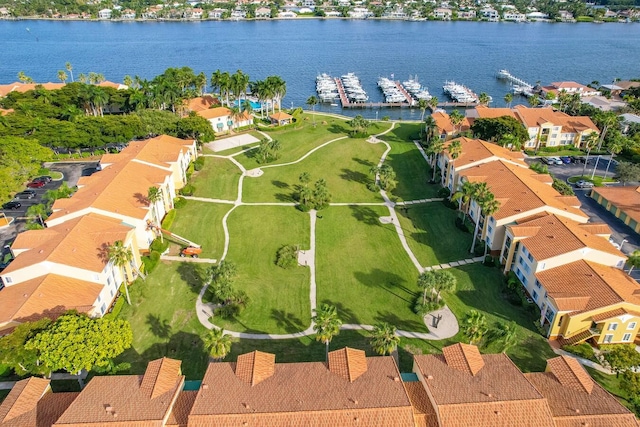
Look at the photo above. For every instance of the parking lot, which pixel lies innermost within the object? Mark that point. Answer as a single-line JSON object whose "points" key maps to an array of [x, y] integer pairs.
{"points": [[71, 173]]}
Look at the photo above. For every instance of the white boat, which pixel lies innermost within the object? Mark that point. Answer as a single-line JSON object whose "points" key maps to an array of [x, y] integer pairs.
{"points": [[503, 74]]}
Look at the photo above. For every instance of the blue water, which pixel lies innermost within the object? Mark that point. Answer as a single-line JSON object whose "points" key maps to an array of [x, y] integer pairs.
{"points": [[467, 52], [254, 105], [192, 385], [409, 377]]}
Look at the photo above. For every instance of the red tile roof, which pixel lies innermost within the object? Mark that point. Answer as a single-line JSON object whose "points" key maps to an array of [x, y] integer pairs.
{"points": [[627, 199], [463, 357], [349, 363], [127, 400], [476, 150], [255, 367], [179, 416], [305, 394]]}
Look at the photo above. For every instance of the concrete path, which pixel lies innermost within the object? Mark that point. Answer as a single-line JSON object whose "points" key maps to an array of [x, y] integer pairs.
{"points": [[454, 264], [188, 259], [585, 362], [208, 200]]}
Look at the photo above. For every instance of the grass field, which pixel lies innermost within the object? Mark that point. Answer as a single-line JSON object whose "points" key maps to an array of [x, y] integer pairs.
{"points": [[201, 222], [344, 164], [279, 298], [164, 321], [432, 234], [217, 180], [363, 270]]}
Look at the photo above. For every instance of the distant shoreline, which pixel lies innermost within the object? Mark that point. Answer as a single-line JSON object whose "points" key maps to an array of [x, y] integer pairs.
{"points": [[299, 18]]}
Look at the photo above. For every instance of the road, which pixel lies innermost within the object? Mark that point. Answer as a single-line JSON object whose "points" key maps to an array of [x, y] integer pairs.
{"points": [[71, 173]]}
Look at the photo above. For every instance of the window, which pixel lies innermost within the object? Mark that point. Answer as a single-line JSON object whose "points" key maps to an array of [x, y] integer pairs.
{"points": [[103, 308], [8, 280], [626, 337], [631, 325], [491, 220], [538, 285], [530, 257], [612, 327], [520, 260], [524, 280], [99, 298], [608, 338], [560, 321], [527, 268], [108, 280], [111, 291], [535, 296], [489, 230]]}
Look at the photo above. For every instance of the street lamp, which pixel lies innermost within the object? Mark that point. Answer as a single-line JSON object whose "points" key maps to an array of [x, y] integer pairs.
{"points": [[376, 115], [622, 243]]}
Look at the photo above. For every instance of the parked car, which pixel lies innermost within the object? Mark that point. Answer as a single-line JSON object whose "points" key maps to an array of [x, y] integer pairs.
{"points": [[577, 159], [45, 179], [556, 161], [565, 159], [12, 205], [27, 194], [546, 160], [36, 184], [584, 184]]}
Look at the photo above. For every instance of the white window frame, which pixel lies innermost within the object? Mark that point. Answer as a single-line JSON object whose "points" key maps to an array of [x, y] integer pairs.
{"points": [[612, 327], [626, 337], [632, 325], [608, 338]]}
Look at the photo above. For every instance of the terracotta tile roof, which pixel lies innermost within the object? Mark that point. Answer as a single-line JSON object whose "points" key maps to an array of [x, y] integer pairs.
{"points": [[4, 112], [534, 117], [81, 242], [349, 363], [161, 150], [22, 401], [423, 413], [498, 395], [518, 192], [46, 296], [114, 85], [626, 199], [444, 125], [596, 228], [120, 188], [255, 367], [613, 313], [180, 413], [52, 406], [200, 103], [575, 399], [584, 286], [570, 85], [484, 112], [464, 358], [213, 113], [280, 115], [25, 87], [552, 236], [125, 400], [304, 394], [476, 150]]}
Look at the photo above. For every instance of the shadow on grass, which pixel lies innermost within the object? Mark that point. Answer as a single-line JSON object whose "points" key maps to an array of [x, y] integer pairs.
{"points": [[280, 184], [497, 305], [345, 314], [285, 198], [394, 320], [365, 214], [387, 281], [354, 176], [159, 328], [363, 162], [335, 128], [288, 321], [192, 274]]}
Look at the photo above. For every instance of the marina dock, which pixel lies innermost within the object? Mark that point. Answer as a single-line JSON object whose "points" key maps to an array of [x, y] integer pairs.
{"points": [[506, 75], [405, 93]]}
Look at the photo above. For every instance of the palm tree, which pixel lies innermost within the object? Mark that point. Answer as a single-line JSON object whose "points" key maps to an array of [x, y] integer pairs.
{"points": [[534, 101], [427, 282], [128, 81], [489, 207], [24, 78], [506, 334], [484, 98], [481, 196], [312, 101], [463, 196], [614, 148], [434, 149], [216, 79], [445, 282], [508, 98], [433, 103], [511, 141], [633, 260], [384, 339], [431, 129], [327, 324], [217, 343], [456, 118], [474, 326], [121, 256], [69, 69], [589, 143], [62, 76], [225, 86], [154, 195], [422, 105], [454, 149], [82, 78]]}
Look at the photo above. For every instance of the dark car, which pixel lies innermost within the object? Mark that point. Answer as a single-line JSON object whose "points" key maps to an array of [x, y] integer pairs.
{"points": [[577, 159], [36, 184], [25, 195], [565, 159], [44, 179], [12, 205]]}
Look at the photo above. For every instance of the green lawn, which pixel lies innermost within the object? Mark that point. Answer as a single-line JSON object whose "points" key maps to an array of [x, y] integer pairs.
{"points": [[279, 298], [432, 234], [412, 170], [298, 141], [217, 180], [612, 385], [201, 222], [363, 270], [480, 288], [597, 180], [163, 319], [344, 164]]}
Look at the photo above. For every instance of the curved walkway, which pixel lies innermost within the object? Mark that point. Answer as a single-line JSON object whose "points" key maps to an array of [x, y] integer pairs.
{"points": [[446, 320]]}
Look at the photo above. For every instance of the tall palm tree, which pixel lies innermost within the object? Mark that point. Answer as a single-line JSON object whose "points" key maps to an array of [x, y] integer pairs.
{"points": [[474, 326], [454, 149], [69, 69], [327, 324], [384, 339], [225, 86], [508, 98], [464, 195], [127, 81], [216, 79], [24, 78], [614, 148], [121, 256], [456, 118], [433, 103], [484, 98], [445, 282], [427, 283], [506, 334], [589, 143], [82, 78], [430, 128], [534, 101], [489, 207], [312, 101], [434, 149], [62, 76], [633, 260], [422, 105], [201, 83], [217, 343], [154, 195], [481, 196]]}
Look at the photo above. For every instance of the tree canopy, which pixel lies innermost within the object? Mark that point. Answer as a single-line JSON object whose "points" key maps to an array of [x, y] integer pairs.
{"points": [[496, 129]]}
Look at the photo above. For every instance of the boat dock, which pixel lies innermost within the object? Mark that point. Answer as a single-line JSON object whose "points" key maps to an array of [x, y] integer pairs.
{"points": [[506, 75], [405, 93]]}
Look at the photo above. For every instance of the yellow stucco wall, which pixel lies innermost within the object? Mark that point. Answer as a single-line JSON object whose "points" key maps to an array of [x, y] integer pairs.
{"points": [[567, 325]]}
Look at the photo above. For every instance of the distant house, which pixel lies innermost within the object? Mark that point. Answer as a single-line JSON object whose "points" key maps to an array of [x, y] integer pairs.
{"points": [[628, 120], [537, 15], [514, 16], [263, 12], [287, 14], [222, 120], [490, 14], [571, 88], [104, 14], [467, 14], [128, 14], [565, 16], [280, 118], [443, 13]]}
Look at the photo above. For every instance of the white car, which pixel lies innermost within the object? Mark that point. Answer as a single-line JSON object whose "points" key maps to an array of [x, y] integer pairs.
{"points": [[555, 161]]}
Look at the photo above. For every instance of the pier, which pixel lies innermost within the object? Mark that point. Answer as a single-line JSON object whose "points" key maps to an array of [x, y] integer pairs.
{"points": [[405, 93], [505, 75]]}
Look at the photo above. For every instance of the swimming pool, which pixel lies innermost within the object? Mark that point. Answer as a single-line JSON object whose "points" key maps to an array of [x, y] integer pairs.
{"points": [[254, 105]]}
